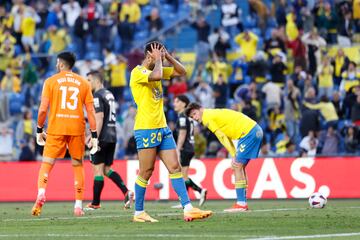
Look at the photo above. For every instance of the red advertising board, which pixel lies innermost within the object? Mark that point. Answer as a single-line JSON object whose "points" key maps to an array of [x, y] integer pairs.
{"points": [[268, 178]]}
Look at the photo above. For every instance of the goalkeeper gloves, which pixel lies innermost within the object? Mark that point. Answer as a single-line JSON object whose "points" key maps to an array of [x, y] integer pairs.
{"points": [[40, 136], [94, 143]]}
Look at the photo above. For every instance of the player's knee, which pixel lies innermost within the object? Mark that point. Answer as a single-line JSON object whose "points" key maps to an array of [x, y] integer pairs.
{"points": [[76, 162], [146, 173], [106, 170], [174, 168], [49, 160]]}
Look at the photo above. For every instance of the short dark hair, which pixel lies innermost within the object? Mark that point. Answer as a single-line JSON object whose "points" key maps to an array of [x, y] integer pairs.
{"points": [[184, 99], [148, 46], [68, 57], [97, 75], [191, 107]]}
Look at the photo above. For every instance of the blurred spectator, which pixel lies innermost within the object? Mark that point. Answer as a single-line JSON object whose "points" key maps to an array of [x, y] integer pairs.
{"points": [[305, 142], [109, 57], [340, 63], [309, 121], [178, 86], [6, 56], [258, 68], [4, 107], [104, 32], [87, 65], [280, 13], [261, 10], [26, 128], [131, 10], [155, 21], [230, 17], [276, 123], [351, 140], [292, 109], [291, 150], [94, 12], [272, 94], [10, 82], [55, 16], [327, 110], [345, 30], [130, 150], [249, 110], [330, 140], [28, 29], [200, 142], [6, 140], [275, 43], [126, 32], [239, 72], [325, 77], [356, 15], [217, 67], [298, 52], [57, 38], [27, 150], [128, 124], [326, 22], [314, 43], [202, 28], [81, 30], [277, 70], [291, 29], [118, 77], [216, 34], [336, 100], [220, 92], [355, 112], [213, 149], [350, 79], [205, 94], [221, 47], [265, 150], [72, 11], [248, 43]]}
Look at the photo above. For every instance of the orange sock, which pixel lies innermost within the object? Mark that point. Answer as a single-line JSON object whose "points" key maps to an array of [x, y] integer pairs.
{"points": [[44, 174], [79, 176]]}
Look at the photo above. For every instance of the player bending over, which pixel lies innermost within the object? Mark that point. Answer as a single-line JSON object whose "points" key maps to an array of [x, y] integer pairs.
{"points": [[152, 135], [229, 125], [104, 103], [65, 93], [185, 144]]}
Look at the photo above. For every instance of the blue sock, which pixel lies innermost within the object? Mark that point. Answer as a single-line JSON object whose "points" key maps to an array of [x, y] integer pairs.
{"points": [[240, 187], [177, 181], [140, 189]]}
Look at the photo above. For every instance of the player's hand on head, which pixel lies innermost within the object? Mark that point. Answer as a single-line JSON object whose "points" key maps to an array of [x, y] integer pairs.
{"points": [[156, 52]]}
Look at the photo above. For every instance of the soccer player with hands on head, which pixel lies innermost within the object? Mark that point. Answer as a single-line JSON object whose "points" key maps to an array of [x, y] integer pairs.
{"points": [[65, 94], [152, 135], [229, 125]]}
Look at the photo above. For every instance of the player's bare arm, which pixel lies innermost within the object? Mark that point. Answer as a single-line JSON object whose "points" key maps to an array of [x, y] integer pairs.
{"points": [[156, 54], [226, 142], [181, 139], [179, 69]]}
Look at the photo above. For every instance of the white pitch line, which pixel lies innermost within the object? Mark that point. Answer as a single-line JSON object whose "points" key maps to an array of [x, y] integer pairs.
{"points": [[98, 236], [157, 213], [333, 235]]}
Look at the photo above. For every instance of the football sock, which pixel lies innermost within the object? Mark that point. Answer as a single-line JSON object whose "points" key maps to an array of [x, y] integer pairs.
{"points": [[79, 176], [177, 181], [44, 171], [140, 189], [190, 183], [78, 204], [240, 187], [115, 177], [98, 187]]}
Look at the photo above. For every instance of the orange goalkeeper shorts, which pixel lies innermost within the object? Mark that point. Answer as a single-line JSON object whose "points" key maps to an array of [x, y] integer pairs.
{"points": [[55, 146]]}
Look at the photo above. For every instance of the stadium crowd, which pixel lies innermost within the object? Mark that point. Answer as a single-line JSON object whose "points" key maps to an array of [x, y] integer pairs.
{"points": [[281, 75]]}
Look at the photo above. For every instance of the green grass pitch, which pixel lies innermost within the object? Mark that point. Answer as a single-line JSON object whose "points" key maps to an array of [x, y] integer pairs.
{"points": [[268, 219]]}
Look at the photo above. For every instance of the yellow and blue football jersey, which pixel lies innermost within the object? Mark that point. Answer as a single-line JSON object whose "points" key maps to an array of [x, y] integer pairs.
{"points": [[148, 97]]}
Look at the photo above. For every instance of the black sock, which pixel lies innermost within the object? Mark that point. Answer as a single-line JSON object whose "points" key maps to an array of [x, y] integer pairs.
{"points": [[191, 184], [115, 177], [98, 187]]}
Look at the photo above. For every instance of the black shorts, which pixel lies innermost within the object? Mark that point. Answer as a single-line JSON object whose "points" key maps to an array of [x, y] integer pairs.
{"points": [[105, 155], [185, 158]]}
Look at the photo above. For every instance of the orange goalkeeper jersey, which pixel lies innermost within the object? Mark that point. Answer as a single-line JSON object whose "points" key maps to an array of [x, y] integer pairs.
{"points": [[67, 93]]}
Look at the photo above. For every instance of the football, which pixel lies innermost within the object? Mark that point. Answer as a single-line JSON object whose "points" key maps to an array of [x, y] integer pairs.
{"points": [[317, 200]]}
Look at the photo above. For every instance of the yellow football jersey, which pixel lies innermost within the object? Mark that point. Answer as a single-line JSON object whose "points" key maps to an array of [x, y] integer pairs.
{"points": [[234, 125], [148, 97]]}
